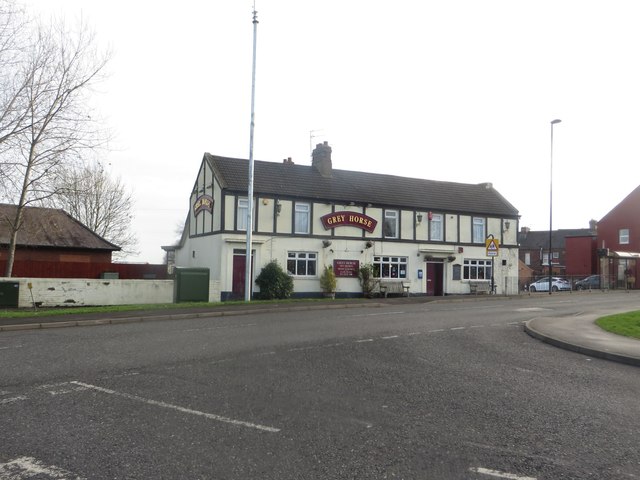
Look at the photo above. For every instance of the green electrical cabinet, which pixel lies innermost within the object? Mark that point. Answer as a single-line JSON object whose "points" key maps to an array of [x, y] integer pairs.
{"points": [[191, 285], [9, 293]]}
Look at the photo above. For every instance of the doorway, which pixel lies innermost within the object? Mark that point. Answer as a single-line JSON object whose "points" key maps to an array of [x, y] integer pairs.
{"points": [[239, 270], [435, 276]]}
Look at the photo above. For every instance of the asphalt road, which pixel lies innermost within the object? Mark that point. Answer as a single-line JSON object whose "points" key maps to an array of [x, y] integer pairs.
{"points": [[452, 390]]}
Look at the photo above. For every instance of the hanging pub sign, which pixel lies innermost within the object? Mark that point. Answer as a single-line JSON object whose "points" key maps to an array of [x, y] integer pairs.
{"points": [[203, 202], [349, 219]]}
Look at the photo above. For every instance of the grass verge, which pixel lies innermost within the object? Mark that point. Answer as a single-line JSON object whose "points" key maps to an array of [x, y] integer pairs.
{"points": [[627, 324], [48, 312]]}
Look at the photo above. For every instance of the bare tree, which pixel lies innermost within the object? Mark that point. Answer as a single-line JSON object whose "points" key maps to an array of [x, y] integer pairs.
{"points": [[102, 203], [53, 127]]}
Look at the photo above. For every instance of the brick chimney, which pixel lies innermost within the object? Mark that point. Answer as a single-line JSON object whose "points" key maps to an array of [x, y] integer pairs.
{"points": [[321, 159]]}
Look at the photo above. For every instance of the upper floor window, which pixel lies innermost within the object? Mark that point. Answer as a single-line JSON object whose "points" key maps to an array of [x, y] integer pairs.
{"points": [[302, 218], [527, 258], [435, 227], [623, 236], [242, 214], [390, 224], [479, 234]]}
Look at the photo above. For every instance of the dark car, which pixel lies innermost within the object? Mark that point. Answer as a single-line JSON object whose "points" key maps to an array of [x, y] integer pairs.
{"points": [[592, 281]]}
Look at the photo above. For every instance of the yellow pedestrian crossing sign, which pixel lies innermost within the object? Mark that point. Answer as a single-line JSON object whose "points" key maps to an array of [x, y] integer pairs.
{"points": [[493, 246]]}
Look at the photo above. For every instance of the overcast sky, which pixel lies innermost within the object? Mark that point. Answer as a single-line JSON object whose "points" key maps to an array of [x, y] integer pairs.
{"points": [[461, 91]]}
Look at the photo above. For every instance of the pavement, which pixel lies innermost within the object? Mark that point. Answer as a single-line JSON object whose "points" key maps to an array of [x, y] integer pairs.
{"points": [[577, 333]]}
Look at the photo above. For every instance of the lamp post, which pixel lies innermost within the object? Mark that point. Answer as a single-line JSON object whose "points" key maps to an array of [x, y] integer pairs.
{"points": [[553, 122]]}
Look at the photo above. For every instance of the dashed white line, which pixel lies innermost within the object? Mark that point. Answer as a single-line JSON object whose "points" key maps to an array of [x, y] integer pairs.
{"points": [[390, 337], [457, 328], [499, 474], [6, 401], [29, 467], [365, 340], [210, 416]]}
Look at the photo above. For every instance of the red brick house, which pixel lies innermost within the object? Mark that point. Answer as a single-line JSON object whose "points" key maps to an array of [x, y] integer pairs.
{"points": [[52, 244], [618, 242], [572, 251]]}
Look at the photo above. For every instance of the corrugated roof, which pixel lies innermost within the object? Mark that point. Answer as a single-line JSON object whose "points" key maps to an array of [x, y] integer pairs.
{"points": [[49, 227], [344, 186]]}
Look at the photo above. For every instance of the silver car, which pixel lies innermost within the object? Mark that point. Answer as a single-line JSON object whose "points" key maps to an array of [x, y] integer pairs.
{"points": [[557, 284]]}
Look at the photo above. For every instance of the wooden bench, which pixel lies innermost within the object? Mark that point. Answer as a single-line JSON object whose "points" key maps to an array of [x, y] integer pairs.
{"points": [[480, 287], [394, 287]]}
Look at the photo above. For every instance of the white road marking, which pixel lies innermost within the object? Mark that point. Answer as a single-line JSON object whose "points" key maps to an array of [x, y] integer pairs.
{"points": [[12, 346], [377, 314], [365, 340], [457, 328], [499, 474], [29, 467], [156, 403], [6, 401], [435, 331], [390, 337]]}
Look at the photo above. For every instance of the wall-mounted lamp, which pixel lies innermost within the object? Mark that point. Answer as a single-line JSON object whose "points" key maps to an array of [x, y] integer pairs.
{"points": [[451, 258], [418, 219], [369, 244], [507, 224], [326, 243], [278, 207]]}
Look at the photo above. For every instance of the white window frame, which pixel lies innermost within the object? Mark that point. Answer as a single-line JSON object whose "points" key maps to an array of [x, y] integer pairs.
{"points": [[527, 258], [479, 230], [390, 224], [302, 258], [476, 269], [435, 227], [623, 236], [389, 266], [302, 218], [242, 213]]}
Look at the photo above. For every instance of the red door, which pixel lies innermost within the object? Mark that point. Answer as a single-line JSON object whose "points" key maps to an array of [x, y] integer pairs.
{"points": [[237, 281], [434, 278]]}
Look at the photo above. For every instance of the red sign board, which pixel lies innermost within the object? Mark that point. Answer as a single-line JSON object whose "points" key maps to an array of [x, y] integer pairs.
{"points": [[346, 268], [349, 219]]}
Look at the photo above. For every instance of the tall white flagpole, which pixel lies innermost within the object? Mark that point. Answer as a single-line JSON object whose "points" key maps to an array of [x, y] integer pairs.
{"points": [[247, 274]]}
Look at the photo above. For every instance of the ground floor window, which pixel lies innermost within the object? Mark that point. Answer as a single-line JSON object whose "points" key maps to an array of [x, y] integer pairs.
{"points": [[477, 269], [302, 264], [390, 267]]}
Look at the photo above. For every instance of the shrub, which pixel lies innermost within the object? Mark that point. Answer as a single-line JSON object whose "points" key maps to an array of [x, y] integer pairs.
{"points": [[367, 280], [328, 281], [274, 282]]}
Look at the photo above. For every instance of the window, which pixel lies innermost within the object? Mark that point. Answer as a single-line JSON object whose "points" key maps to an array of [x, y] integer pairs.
{"points": [[302, 264], [527, 258], [242, 214], [478, 230], [390, 267], [302, 218], [435, 227], [623, 236], [390, 225], [477, 269]]}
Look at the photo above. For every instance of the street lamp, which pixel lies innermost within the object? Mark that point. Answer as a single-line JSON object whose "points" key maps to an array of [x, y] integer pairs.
{"points": [[553, 122]]}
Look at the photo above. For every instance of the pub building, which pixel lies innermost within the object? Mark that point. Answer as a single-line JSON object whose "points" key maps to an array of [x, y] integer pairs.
{"points": [[430, 236]]}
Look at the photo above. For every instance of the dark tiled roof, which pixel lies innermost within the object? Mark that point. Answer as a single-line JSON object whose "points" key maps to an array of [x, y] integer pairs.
{"points": [[49, 227], [344, 186], [534, 240]]}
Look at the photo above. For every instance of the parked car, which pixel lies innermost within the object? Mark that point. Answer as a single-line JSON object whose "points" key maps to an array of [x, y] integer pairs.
{"points": [[592, 281], [542, 285]]}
